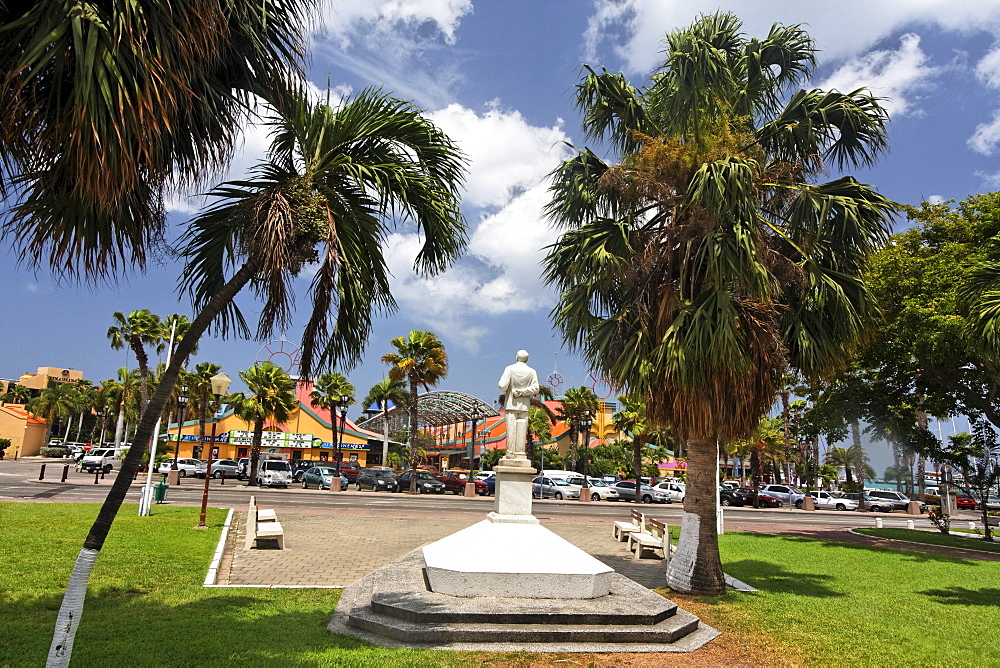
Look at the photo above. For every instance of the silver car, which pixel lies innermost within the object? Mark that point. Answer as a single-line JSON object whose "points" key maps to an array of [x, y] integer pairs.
{"points": [[626, 491], [227, 466], [544, 487]]}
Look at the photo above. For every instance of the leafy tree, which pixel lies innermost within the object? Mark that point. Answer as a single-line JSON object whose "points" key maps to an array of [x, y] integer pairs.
{"points": [[419, 359], [329, 388], [4, 444], [707, 261], [975, 457], [270, 398], [381, 394], [842, 458], [539, 429], [898, 473]]}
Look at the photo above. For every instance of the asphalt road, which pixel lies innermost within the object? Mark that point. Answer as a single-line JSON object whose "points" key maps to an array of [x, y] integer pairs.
{"points": [[19, 481]]}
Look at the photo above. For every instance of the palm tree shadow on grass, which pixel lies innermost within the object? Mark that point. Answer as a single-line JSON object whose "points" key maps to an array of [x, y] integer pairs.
{"points": [[964, 596], [770, 577]]}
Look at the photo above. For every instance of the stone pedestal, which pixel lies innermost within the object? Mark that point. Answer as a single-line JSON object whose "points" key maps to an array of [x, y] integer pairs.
{"points": [[470, 489], [585, 494], [335, 484], [913, 508], [513, 492], [808, 503], [173, 477]]}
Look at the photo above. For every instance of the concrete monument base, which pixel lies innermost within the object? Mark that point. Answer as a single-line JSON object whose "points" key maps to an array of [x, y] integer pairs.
{"points": [[513, 491], [523, 560]]}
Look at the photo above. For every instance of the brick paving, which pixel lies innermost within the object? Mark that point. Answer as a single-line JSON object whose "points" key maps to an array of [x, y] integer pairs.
{"points": [[334, 551]]}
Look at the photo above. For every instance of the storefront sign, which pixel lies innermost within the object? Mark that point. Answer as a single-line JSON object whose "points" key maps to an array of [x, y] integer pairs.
{"points": [[317, 443], [673, 466], [194, 437], [272, 439]]}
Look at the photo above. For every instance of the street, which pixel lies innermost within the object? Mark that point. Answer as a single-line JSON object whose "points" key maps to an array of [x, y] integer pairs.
{"points": [[19, 481]]}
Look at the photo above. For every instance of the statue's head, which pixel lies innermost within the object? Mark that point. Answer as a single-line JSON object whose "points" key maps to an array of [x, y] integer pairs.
{"points": [[522, 355]]}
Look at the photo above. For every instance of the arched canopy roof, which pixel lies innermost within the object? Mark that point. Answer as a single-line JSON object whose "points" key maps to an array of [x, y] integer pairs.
{"points": [[434, 409]]}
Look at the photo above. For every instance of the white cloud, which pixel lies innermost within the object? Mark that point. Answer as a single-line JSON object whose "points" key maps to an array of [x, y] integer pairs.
{"points": [[32, 287], [507, 154], [893, 75], [988, 68], [987, 135], [347, 19], [936, 199], [636, 28], [395, 44]]}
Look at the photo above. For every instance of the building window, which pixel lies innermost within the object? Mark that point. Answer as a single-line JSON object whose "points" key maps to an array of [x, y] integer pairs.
{"points": [[242, 452], [324, 456]]}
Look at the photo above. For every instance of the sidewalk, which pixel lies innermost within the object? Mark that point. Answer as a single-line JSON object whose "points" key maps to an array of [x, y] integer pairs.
{"points": [[333, 551]]}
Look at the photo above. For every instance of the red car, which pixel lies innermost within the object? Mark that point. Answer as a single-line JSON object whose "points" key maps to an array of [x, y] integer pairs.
{"points": [[766, 501], [965, 503], [454, 481]]}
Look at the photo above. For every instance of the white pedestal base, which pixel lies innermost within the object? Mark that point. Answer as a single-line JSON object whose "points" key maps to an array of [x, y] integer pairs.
{"points": [[513, 491], [513, 560]]}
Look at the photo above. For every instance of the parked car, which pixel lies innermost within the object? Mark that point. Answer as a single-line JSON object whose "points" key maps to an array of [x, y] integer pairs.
{"points": [[351, 469], [674, 490], [731, 497], [543, 487], [898, 500], [491, 482], [101, 459], [455, 480], [872, 503], [300, 466], [600, 490], [426, 482], [787, 494], [274, 473], [227, 466], [764, 500], [321, 477], [379, 479], [243, 468], [832, 500], [964, 502], [185, 467], [992, 502], [483, 475], [626, 491]]}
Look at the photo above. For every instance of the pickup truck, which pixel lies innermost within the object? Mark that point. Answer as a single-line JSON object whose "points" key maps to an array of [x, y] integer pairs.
{"points": [[99, 459], [454, 482], [350, 470]]}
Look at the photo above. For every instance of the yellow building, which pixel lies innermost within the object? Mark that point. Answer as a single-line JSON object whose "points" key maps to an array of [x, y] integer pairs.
{"points": [[26, 432], [49, 374], [306, 435]]}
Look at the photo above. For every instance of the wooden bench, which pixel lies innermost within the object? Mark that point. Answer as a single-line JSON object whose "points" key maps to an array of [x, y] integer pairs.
{"points": [[262, 523], [648, 540], [623, 529]]}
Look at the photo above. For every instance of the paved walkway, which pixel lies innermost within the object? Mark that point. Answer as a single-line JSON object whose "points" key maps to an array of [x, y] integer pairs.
{"points": [[326, 550]]}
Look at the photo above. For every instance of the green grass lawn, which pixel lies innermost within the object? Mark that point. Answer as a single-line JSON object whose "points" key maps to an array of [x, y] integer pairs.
{"points": [[821, 603]]}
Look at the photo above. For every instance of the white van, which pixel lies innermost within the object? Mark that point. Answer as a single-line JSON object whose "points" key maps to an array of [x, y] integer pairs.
{"points": [[274, 473], [99, 459]]}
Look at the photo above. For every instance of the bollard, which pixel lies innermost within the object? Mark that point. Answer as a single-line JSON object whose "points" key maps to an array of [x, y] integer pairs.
{"points": [[96, 477], [972, 525], [909, 524], [222, 478], [41, 474], [878, 522], [65, 473]]}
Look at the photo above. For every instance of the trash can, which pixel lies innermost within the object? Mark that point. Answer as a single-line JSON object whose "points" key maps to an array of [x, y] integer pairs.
{"points": [[160, 491]]}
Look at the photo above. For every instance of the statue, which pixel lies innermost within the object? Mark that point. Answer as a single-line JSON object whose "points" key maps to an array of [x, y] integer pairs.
{"points": [[519, 383]]}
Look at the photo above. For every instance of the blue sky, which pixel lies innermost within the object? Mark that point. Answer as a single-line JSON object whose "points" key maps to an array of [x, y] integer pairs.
{"points": [[499, 77]]}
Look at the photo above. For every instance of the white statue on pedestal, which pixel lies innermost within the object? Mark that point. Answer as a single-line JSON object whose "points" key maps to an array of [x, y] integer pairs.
{"points": [[519, 383]]}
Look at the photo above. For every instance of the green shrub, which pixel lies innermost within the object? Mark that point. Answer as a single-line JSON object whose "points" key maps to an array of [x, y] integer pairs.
{"points": [[54, 451]]}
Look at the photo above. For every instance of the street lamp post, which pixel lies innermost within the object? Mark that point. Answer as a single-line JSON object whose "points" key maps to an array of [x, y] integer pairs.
{"points": [[220, 385], [100, 416], [585, 423], [344, 402], [182, 400]]}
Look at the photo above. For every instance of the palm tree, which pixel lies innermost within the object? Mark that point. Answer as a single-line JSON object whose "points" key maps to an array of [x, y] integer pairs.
{"points": [[16, 394], [178, 325], [103, 106], [140, 329], [631, 419], [706, 261], [329, 388], [577, 401], [421, 360], [381, 394], [270, 398], [58, 402], [338, 180], [539, 428], [842, 458]]}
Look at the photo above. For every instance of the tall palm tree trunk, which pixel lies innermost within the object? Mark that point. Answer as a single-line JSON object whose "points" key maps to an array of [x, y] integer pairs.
{"points": [[71, 609], [258, 435], [120, 426], [755, 474], [697, 567]]}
